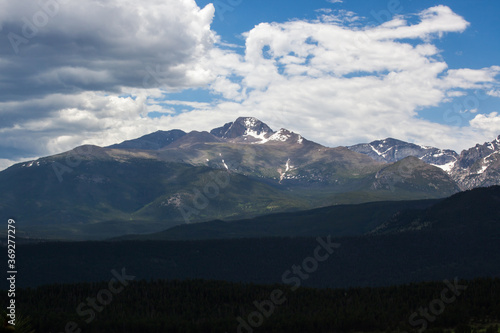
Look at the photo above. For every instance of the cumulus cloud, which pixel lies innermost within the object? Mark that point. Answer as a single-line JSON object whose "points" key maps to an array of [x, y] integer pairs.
{"points": [[67, 46], [64, 66], [97, 69], [494, 93], [489, 123]]}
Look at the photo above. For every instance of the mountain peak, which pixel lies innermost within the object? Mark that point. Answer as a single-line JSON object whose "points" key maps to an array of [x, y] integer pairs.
{"points": [[243, 126], [248, 122], [479, 151], [391, 150]]}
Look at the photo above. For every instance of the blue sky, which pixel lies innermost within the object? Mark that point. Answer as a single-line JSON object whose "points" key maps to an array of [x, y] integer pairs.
{"points": [[337, 72], [477, 47]]}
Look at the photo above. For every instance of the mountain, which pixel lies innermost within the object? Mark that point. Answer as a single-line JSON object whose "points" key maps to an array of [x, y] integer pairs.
{"points": [[193, 138], [241, 170], [411, 174], [151, 141], [109, 192], [243, 128], [392, 150], [478, 166]]}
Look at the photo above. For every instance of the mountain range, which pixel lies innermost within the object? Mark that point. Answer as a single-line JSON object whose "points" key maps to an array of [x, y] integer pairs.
{"points": [[240, 170]]}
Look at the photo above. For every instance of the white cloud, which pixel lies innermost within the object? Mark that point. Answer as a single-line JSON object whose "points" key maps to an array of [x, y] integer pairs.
{"points": [[104, 45], [489, 123], [342, 85], [340, 16], [494, 93], [466, 78], [335, 1]]}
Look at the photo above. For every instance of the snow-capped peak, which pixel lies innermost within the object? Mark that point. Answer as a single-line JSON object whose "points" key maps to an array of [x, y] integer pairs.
{"points": [[250, 122], [241, 127]]}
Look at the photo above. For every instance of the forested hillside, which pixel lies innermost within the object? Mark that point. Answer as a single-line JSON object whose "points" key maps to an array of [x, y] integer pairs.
{"points": [[210, 306]]}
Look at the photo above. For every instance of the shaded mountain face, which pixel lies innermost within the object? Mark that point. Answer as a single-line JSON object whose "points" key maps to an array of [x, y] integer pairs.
{"points": [[468, 212], [336, 221], [476, 211]]}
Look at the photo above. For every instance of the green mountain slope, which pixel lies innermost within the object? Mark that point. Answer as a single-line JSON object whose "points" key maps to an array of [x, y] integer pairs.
{"points": [[105, 196], [337, 221]]}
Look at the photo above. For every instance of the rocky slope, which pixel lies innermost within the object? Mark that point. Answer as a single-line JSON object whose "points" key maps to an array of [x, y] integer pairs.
{"points": [[392, 150], [478, 166]]}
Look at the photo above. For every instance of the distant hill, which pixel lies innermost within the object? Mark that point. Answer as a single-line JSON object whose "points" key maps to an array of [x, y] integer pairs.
{"points": [[337, 221], [466, 245], [472, 211], [478, 208]]}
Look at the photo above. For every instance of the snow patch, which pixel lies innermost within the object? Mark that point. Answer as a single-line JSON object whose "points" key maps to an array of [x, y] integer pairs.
{"points": [[385, 152], [375, 150], [487, 163], [446, 167], [279, 136], [250, 122], [483, 169], [438, 155], [261, 136]]}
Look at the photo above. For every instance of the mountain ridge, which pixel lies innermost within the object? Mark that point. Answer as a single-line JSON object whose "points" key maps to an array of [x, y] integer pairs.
{"points": [[152, 181], [478, 166]]}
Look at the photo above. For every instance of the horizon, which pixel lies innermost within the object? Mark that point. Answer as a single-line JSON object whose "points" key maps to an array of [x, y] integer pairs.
{"points": [[273, 129]]}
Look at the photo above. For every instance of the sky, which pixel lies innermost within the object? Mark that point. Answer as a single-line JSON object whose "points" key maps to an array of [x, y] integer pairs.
{"points": [[339, 72]]}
